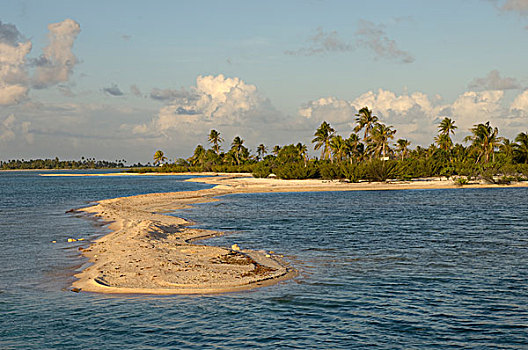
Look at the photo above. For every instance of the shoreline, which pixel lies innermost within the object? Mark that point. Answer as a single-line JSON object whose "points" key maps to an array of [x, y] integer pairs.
{"points": [[149, 252]]}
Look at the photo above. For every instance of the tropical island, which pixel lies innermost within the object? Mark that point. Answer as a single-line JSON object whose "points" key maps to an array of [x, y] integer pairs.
{"points": [[151, 252], [369, 153]]}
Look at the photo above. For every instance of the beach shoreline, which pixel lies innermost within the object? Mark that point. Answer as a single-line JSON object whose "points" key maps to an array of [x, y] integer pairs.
{"points": [[150, 252]]}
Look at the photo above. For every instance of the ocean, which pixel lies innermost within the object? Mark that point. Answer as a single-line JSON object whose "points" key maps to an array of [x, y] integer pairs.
{"points": [[427, 269]]}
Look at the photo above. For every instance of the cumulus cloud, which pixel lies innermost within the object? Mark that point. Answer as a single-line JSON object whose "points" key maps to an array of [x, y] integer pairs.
{"points": [[412, 115], [214, 102], [13, 74], [57, 61], [331, 109], [493, 81], [474, 107], [10, 127], [416, 116], [520, 103], [322, 42], [113, 90], [374, 38], [6, 128]]}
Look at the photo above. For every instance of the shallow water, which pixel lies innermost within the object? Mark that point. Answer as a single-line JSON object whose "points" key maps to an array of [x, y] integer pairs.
{"points": [[436, 269]]}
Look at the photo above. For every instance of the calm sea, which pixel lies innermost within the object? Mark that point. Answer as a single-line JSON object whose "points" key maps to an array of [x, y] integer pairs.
{"points": [[417, 269]]}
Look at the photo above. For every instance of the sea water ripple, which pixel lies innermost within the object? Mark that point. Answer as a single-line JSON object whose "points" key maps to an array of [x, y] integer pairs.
{"points": [[435, 269]]}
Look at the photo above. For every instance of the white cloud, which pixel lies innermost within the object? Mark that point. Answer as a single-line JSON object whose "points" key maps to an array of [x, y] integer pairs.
{"points": [[520, 103], [214, 102], [331, 109], [53, 66], [11, 94], [412, 115], [13, 74], [57, 61], [473, 107], [6, 128], [10, 127], [416, 116]]}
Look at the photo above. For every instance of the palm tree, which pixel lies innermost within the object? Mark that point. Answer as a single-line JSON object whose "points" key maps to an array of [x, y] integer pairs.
{"points": [[339, 147], [198, 157], [365, 120], [402, 146], [323, 135], [507, 148], [215, 140], [447, 126], [521, 148], [159, 157], [261, 151], [236, 147], [381, 135], [484, 141], [445, 129], [444, 141], [355, 147], [303, 151], [276, 150]]}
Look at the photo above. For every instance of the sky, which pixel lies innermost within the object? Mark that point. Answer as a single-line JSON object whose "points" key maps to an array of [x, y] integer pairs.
{"points": [[121, 79]]}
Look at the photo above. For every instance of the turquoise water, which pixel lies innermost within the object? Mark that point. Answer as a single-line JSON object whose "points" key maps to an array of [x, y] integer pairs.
{"points": [[431, 269]]}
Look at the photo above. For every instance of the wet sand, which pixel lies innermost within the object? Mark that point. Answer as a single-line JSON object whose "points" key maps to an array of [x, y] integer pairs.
{"points": [[151, 252]]}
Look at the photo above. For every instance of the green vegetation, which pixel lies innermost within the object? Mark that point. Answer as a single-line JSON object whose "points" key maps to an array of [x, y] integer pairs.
{"points": [[84, 163], [159, 157], [375, 157]]}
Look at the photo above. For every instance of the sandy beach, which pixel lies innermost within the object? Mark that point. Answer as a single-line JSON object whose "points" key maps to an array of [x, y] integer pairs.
{"points": [[151, 252]]}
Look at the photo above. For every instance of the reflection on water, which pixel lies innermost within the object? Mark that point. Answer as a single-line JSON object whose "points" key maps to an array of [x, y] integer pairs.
{"points": [[407, 269]]}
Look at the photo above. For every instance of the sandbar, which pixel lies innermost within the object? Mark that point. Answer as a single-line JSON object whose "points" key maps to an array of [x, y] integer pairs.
{"points": [[151, 251]]}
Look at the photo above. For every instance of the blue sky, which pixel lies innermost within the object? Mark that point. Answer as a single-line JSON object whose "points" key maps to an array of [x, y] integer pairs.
{"points": [[120, 79]]}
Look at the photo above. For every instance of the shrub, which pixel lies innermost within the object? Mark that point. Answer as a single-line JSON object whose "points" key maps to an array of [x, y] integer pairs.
{"points": [[351, 171], [461, 181], [296, 171], [330, 171], [505, 180], [488, 176], [261, 170], [379, 170]]}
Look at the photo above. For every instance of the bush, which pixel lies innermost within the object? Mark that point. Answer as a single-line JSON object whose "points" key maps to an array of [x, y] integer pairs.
{"points": [[488, 176], [296, 171], [505, 180], [261, 170], [351, 172], [330, 171], [461, 181], [523, 170], [380, 170]]}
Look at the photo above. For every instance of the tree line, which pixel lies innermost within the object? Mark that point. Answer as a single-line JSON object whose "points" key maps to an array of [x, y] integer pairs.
{"points": [[56, 163], [370, 152]]}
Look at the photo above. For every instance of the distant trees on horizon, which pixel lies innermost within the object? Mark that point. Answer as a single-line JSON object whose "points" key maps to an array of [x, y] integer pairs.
{"points": [[369, 152], [56, 163]]}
